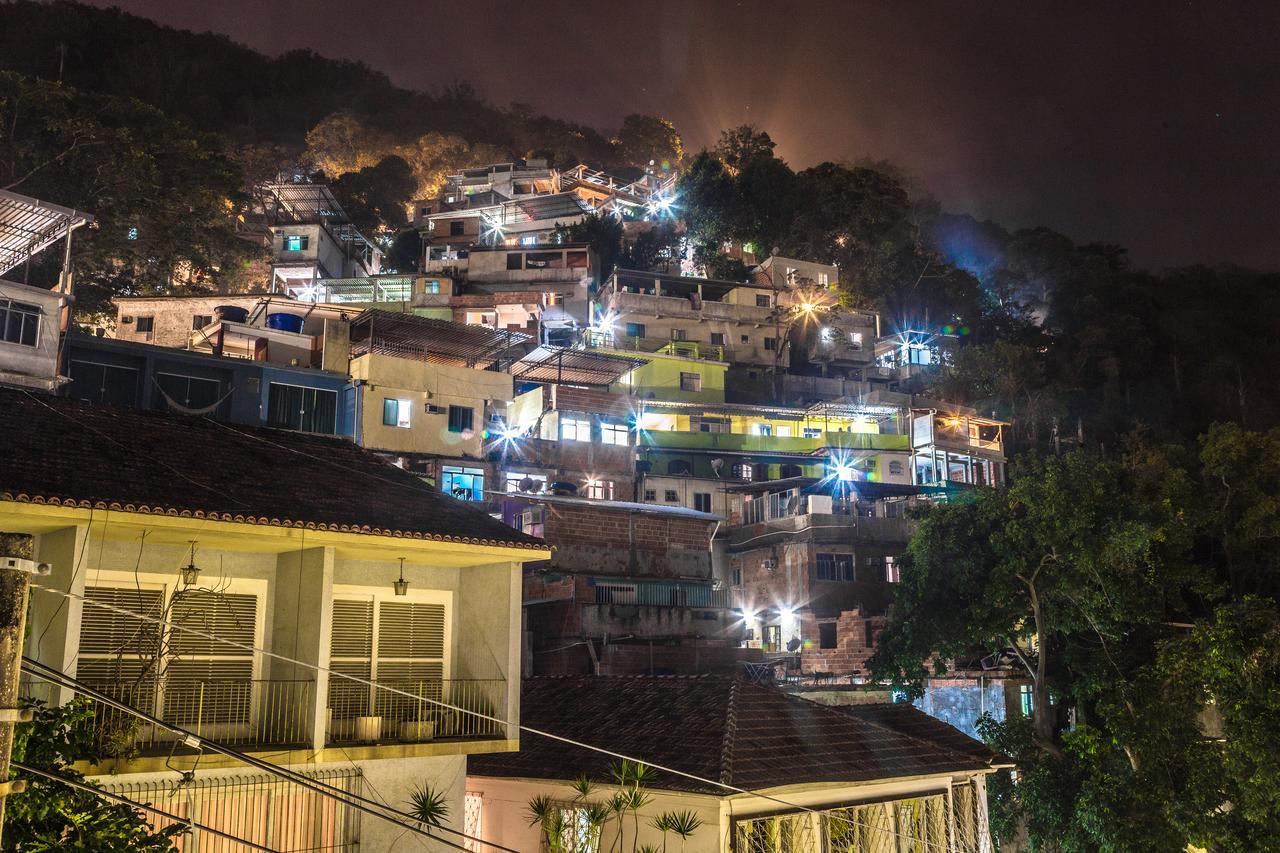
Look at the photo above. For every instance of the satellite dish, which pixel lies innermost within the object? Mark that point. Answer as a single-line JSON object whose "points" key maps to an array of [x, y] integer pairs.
{"points": [[716, 465], [528, 484]]}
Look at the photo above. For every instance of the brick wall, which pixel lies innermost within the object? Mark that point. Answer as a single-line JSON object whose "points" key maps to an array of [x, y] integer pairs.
{"points": [[851, 652]]}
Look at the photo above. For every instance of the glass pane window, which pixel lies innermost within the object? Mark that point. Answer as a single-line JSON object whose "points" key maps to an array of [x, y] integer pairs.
{"points": [[614, 433], [690, 381], [302, 409], [835, 567], [575, 429], [601, 490], [395, 413], [465, 484], [296, 242], [189, 393], [19, 322], [461, 418]]}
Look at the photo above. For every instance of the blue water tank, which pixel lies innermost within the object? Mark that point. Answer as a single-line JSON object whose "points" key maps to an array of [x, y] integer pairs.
{"points": [[284, 322], [231, 313]]}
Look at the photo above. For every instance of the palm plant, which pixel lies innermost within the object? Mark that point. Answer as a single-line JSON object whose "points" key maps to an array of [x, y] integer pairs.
{"points": [[682, 823], [429, 805]]}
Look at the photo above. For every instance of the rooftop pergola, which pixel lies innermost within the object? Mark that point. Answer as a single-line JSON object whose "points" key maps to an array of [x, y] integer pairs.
{"points": [[377, 332], [28, 226], [559, 366], [305, 203]]}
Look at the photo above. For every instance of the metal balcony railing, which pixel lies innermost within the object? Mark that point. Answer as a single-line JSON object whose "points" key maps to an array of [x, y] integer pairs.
{"points": [[660, 594], [774, 505], [434, 709], [271, 713]]}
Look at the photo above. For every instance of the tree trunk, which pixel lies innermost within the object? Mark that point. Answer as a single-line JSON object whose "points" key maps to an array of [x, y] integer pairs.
{"points": [[1042, 723]]}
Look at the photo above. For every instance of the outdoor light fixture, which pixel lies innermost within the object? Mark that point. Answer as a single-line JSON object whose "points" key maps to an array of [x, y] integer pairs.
{"points": [[190, 574], [401, 585]]}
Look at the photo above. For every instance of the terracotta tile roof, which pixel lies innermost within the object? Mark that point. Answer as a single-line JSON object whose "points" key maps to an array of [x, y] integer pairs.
{"points": [[721, 728], [73, 453]]}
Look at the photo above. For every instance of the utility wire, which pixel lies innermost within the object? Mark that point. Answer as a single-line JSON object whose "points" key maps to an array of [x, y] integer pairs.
{"points": [[195, 741], [82, 786]]}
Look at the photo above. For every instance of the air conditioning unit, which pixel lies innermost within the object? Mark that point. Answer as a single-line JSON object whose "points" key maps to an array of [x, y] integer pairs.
{"points": [[769, 564], [433, 409]]}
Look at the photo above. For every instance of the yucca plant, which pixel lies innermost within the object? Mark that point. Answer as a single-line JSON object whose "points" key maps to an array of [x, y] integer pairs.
{"points": [[681, 823], [429, 805]]}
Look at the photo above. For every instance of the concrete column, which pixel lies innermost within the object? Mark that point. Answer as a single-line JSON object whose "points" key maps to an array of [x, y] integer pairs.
{"points": [[302, 625], [54, 638]]}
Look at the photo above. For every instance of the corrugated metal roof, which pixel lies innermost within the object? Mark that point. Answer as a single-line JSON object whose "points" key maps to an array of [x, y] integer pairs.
{"points": [[28, 226], [430, 340], [560, 366]]}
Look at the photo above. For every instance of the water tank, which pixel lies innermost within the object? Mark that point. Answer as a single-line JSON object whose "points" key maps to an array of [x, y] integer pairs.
{"points": [[285, 323], [564, 487], [231, 313]]}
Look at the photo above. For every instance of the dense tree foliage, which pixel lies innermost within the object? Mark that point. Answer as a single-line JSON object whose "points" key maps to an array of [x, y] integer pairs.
{"points": [[49, 816], [1139, 595]]}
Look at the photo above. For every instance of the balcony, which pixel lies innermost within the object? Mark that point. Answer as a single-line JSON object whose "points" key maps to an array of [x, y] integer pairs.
{"points": [[413, 711], [625, 303], [731, 441], [657, 593], [658, 346], [835, 527], [262, 714]]}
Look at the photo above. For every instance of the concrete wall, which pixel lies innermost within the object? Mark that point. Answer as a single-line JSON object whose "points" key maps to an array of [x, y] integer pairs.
{"points": [[33, 366], [421, 383], [172, 317]]}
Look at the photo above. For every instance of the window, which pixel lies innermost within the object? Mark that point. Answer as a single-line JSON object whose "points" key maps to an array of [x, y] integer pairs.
{"points": [[199, 321], [812, 432], [473, 821], [302, 409], [515, 260], [743, 471], [529, 240], [575, 429], [762, 429], [456, 229], [855, 338], [296, 242], [190, 393], [690, 381], [465, 484], [601, 490], [771, 344], [679, 468], [615, 433], [895, 467], [19, 322], [519, 482], [432, 287], [635, 330], [788, 470], [650, 495], [827, 635], [395, 413], [679, 335], [824, 279], [835, 567], [891, 570], [746, 339], [670, 496], [1024, 699], [532, 521], [104, 383], [702, 501], [145, 325], [737, 577], [461, 418], [762, 300], [717, 339]]}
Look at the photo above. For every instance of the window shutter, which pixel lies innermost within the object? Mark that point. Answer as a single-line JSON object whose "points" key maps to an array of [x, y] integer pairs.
{"points": [[411, 630], [226, 616], [350, 653]]}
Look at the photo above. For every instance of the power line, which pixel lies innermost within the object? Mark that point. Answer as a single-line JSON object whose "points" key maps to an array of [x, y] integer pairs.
{"points": [[190, 738], [522, 727], [73, 783]]}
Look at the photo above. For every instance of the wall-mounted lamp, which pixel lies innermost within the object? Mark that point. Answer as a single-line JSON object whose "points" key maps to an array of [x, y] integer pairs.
{"points": [[401, 585], [190, 573]]}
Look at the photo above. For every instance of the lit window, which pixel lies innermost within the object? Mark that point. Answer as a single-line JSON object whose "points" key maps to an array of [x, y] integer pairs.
{"points": [[690, 381], [601, 490], [465, 484], [20, 323], [432, 287], [762, 429], [529, 240], [296, 242], [670, 496], [518, 482], [891, 571], [612, 433], [744, 471], [824, 279], [1024, 695], [812, 432], [575, 429], [461, 418], [784, 431], [395, 413]]}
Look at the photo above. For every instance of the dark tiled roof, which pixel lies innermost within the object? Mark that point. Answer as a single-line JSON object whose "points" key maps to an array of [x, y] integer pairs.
{"points": [[68, 452], [910, 720], [721, 728]]}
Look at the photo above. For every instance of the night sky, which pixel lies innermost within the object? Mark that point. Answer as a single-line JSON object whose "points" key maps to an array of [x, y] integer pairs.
{"points": [[1150, 125]]}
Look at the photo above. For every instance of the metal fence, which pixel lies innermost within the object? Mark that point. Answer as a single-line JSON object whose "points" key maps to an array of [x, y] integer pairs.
{"points": [[953, 822], [360, 714], [774, 505], [257, 807], [660, 594]]}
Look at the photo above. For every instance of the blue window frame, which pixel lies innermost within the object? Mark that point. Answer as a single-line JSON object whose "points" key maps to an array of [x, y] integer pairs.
{"points": [[465, 484]]}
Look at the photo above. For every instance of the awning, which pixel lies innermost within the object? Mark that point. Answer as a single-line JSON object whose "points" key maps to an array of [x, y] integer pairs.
{"points": [[560, 366], [28, 226]]}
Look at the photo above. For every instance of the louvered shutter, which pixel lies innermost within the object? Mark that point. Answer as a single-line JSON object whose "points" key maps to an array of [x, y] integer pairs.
{"points": [[119, 653], [410, 655], [351, 653], [209, 681]]}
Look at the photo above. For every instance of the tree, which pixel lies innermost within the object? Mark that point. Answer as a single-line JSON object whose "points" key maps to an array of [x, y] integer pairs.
{"points": [[50, 816], [164, 198], [741, 145], [378, 195], [643, 139]]}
